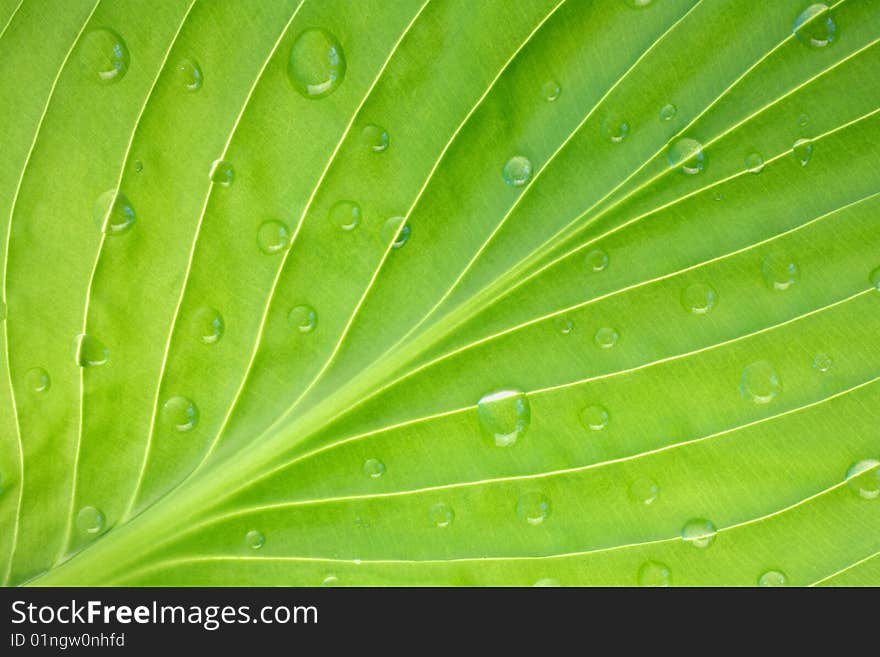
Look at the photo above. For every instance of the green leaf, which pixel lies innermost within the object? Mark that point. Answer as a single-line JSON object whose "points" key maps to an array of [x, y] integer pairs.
{"points": [[442, 292]]}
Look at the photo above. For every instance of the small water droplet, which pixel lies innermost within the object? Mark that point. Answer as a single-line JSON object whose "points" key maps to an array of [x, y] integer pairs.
{"points": [[88, 351], [113, 213], [638, 4], [504, 416], [375, 138], [208, 324], [254, 539], [189, 74], [863, 479], [517, 171], [654, 573], [104, 56], [222, 173], [760, 383], [687, 155], [699, 532], [803, 120], [614, 129], [180, 414], [668, 112], [37, 379], [875, 278], [272, 237], [644, 491], [441, 515], [803, 151], [606, 337], [563, 324], [822, 363], [393, 233], [779, 270], [772, 578], [815, 26], [330, 580], [699, 298], [89, 520], [302, 318], [533, 508], [546, 582], [754, 163], [718, 196], [138, 166], [594, 417], [316, 66], [597, 260], [345, 215], [550, 90], [374, 468]]}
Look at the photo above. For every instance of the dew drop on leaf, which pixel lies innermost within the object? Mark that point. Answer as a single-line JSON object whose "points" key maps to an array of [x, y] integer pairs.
{"points": [[754, 163], [316, 66], [113, 213], [393, 233], [504, 416], [37, 379], [638, 4], [345, 215], [441, 515], [563, 324], [863, 479], [533, 508], [760, 383], [88, 351], [330, 580], [772, 578], [375, 138], [687, 155], [606, 337], [654, 573], [374, 468], [517, 171], [594, 417], [302, 318], [814, 26], [89, 520], [272, 237], [875, 278], [779, 270], [546, 582], [189, 74], [644, 491], [699, 298], [699, 532], [208, 325], [614, 129], [180, 414], [668, 112], [822, 363], [104, 56], [550, 90], [803, 151], [222, 173], [597, 260], [254, 539]]}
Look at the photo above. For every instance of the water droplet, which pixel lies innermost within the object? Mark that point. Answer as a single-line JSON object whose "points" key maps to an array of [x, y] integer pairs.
{"points": [[546, 582], [180, 414], [644, 491], [594, 417], [654, 573], [89, 351], [393, 233], [614, 129], [104, 56], [316, 66], [668, 112], [803, 151], [803, 120], [760, 383], [138, 166], [504, 416], [815, 26], [822, 363], [208, 324], [638, 4], [550, 90], [754, 163], [189, 74], [875, 278], [718, 196], [89, 520], [533, 508], [302, 318], [606, 337], [699, 532], [113, 213], [375, 138], [37, 379], [597, 260], [374, 468], [441, 515], [687, 154], [563, 324], [222, 173], [779, 270], [863, 479], [517, 171], [345, 215], [699, 298], [254, 539], [772, 578], [330, 580], [272, 237]]}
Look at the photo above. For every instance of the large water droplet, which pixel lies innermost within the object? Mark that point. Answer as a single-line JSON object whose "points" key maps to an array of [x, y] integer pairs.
{"points": [[699, 298], [208, 324], [597, 260], [345, 215], [754, 163], [441, 515], [272, 237], [594, 417], [517, 171], [815, 26], [614, 129], [222, 173], [772, 578], [113, 213], [89, 520], [189, 74], [606, 337], [822, 363], [533, 508], [316, 66], [375, 138], [863, 479], [254, 539], [504, 416], [374, 468], [654, 573], [760, 383], [37, 379], [302, 318], [88, 351], [104, 56], [393, 233], [644, 491], [687, 155], [779, 270], [668, 112], [802, 151], [699, 532], [550, 90], [180, 414]]}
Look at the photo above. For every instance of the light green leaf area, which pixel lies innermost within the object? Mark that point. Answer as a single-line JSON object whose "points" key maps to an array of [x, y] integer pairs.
{"points": [[440, 293]]}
